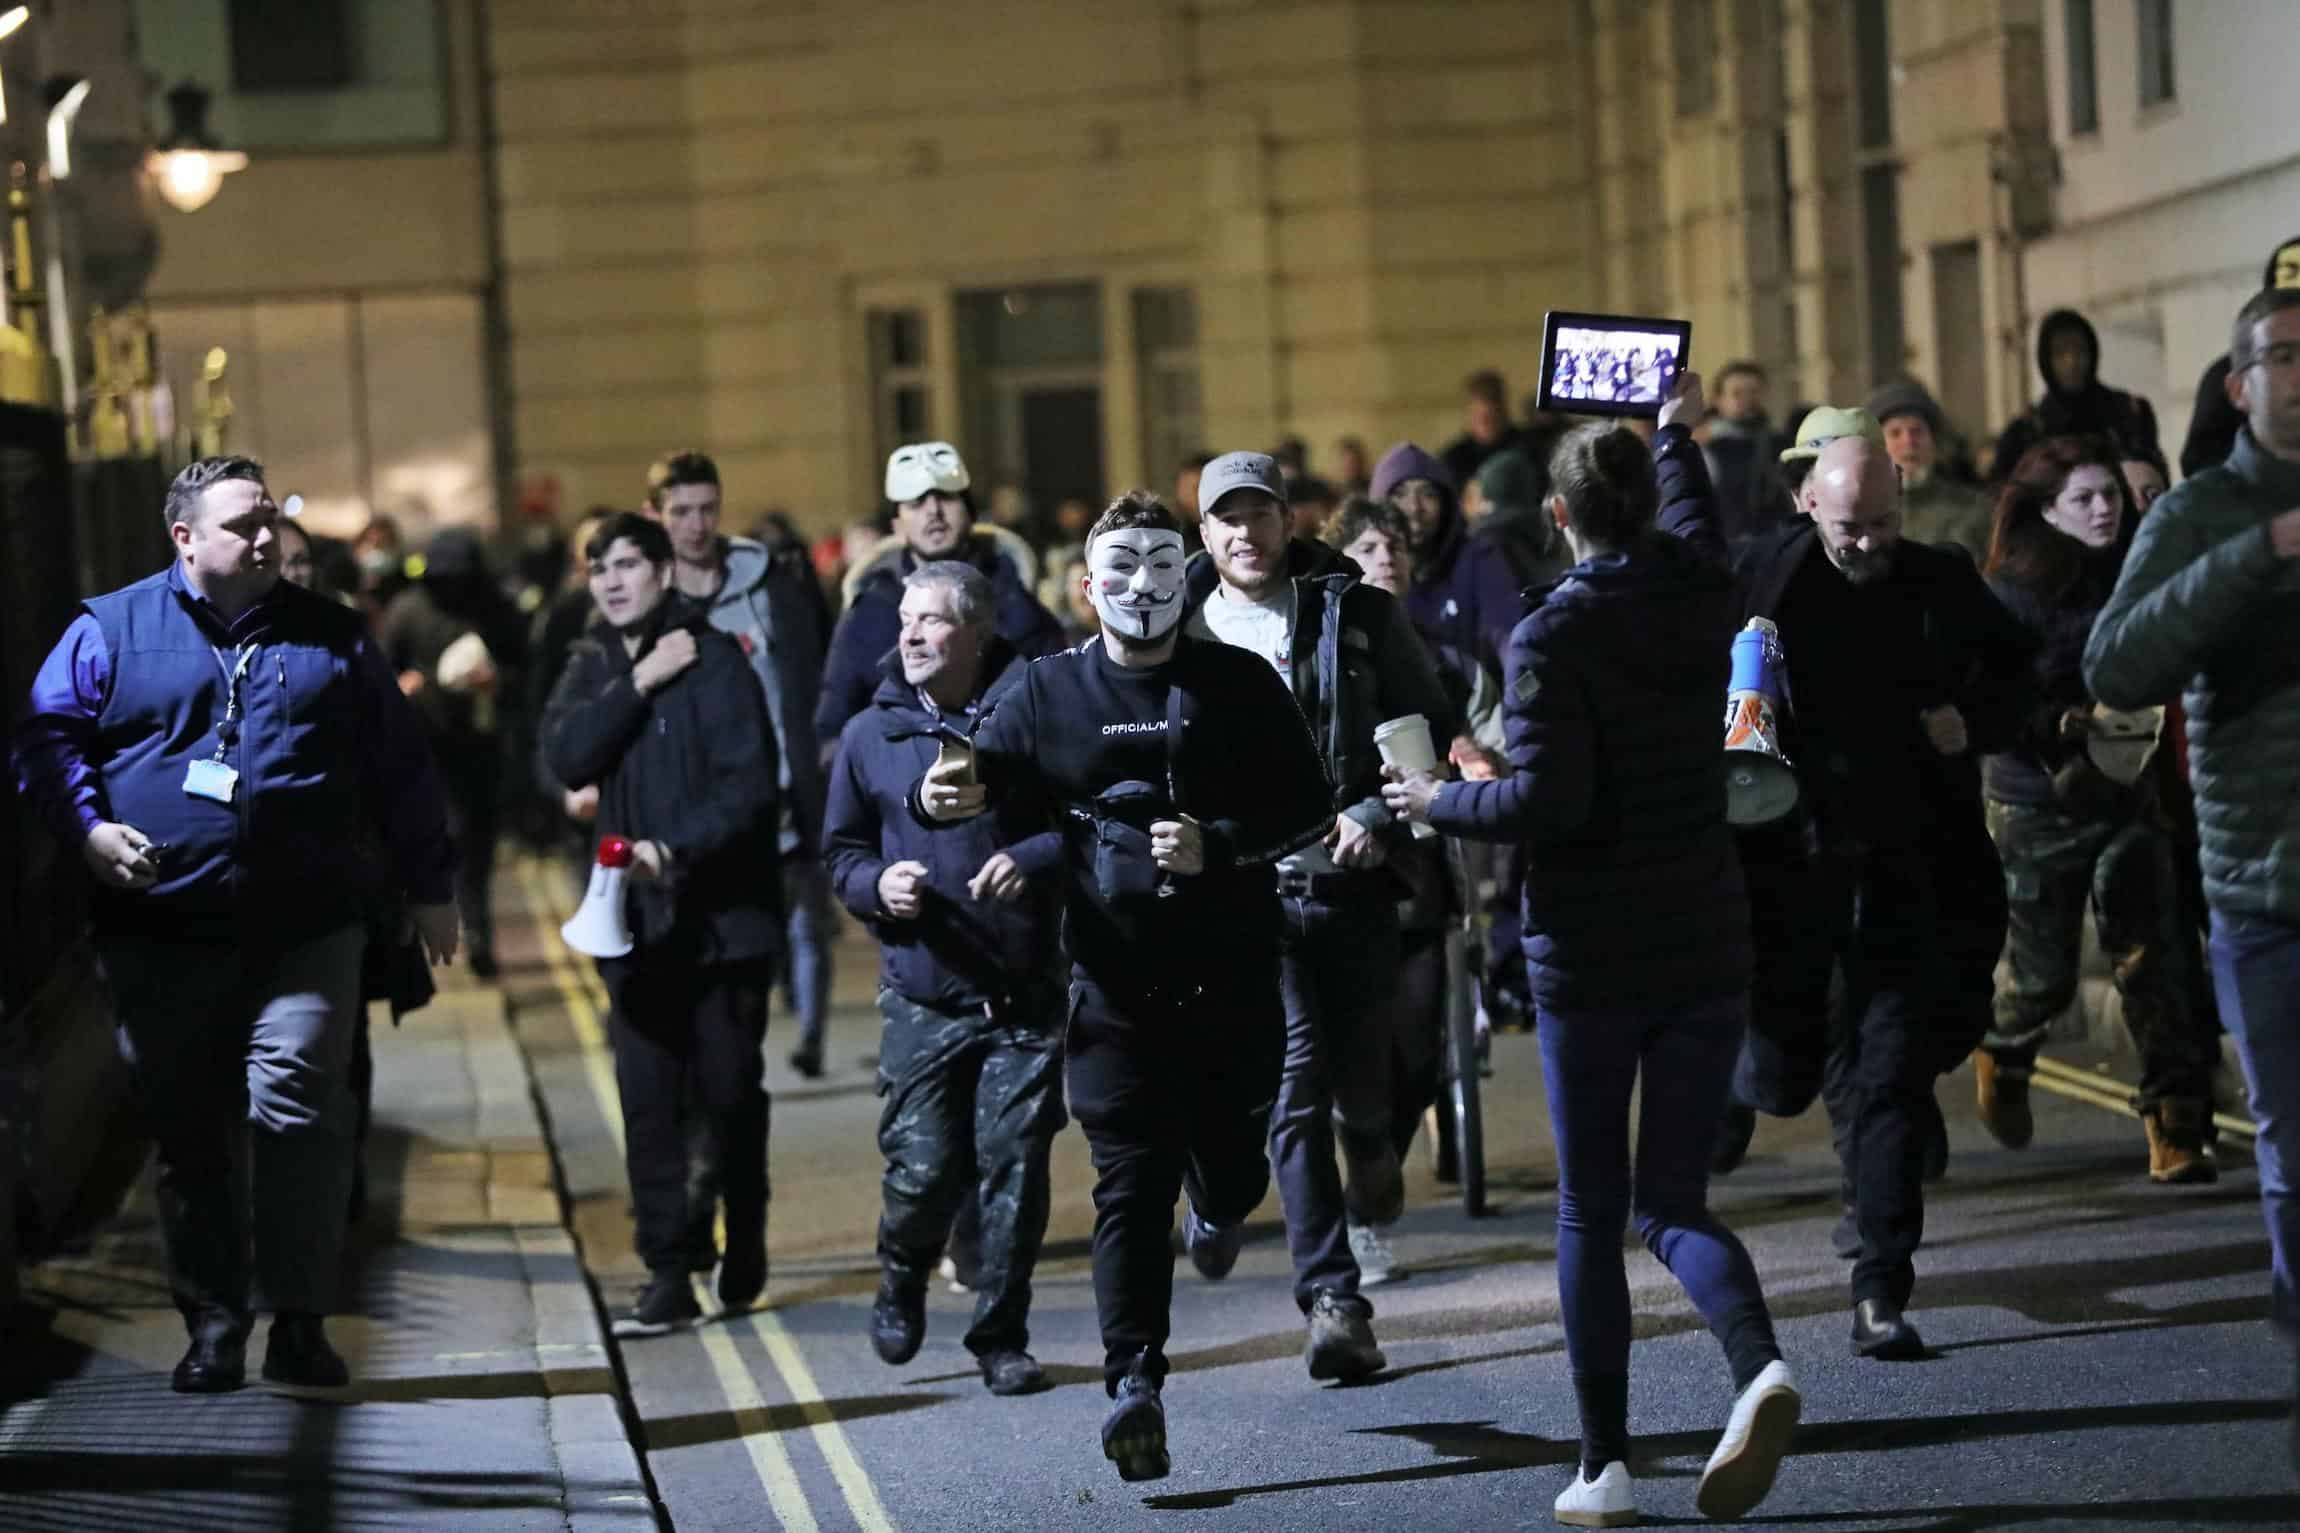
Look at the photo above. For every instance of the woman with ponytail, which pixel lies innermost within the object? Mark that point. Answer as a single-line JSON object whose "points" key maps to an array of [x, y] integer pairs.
{"points": [[1636, 928]]}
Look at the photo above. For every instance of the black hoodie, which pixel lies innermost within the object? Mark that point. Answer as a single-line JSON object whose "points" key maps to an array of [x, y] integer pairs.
{"points": [[2213, 424], [2094, 409]]}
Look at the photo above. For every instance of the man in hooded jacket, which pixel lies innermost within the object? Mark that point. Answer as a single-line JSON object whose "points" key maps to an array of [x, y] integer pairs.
{"points": [[1466, 589], [2075, 402], [965, 914]]}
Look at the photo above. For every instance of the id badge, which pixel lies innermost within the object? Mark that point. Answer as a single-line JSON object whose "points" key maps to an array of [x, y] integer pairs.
{"points": [[211, 779]]}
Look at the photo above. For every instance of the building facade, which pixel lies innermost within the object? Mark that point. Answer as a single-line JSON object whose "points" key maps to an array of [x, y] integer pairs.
{"points": [[1083, 238]]}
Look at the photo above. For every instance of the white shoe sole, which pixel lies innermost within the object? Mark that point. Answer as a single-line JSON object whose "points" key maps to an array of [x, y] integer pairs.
{"points": [[1740, 1472], [1613, 1519]]}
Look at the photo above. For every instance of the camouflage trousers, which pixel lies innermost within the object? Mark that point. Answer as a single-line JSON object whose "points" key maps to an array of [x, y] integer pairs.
{"points": [[2056, 864], [970, 1103]]}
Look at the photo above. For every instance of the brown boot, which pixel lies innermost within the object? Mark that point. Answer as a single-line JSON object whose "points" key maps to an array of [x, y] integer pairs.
{"points": [[2176, 1133], [2001, 1093]]}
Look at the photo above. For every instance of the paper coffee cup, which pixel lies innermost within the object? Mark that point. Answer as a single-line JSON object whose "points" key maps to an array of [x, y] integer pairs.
{"points": [[1405, 744]]}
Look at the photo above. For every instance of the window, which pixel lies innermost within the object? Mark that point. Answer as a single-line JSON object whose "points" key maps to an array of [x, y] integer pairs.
{"points": [[290, 45], [1873, 72], [1881, 240], [2156, 79], [902, 397], [1173, 409], [1693, 48], [2083, 77]]}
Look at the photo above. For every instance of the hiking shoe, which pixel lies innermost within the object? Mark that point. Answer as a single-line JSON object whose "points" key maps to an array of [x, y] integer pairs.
{"points": [[298, 1354], [898, 1320], [666, 1304], [1213, 1251], [1134, 1433], [2000, 1097], [1757, 1434], [1734, 1132], [1608, 1501], [1341, 1341], [1377, 1263], [1012, 1372]]}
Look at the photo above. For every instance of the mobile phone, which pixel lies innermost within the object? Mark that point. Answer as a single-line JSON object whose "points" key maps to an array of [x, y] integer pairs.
{"points": [[1610, 364], [959, 751]]}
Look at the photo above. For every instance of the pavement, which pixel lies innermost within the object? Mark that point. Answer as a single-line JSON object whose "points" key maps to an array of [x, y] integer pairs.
{"points": [[2099, 1354], [484, 1397]]}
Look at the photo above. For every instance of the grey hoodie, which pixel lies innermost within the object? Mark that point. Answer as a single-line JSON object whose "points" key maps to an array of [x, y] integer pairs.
{"points": [[781, 627]]}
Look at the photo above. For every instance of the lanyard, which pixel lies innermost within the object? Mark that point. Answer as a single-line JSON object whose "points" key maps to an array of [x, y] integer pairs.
{"points": [[228, 732]]}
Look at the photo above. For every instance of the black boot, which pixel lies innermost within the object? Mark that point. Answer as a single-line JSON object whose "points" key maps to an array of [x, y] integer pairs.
{"points": [[298, 1354], [898, 1319], [1881, 1333], [1011, 1372], [743, 1271]]}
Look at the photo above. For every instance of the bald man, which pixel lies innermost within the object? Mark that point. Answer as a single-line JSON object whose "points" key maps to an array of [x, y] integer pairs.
{"points": [[1903, 671]]}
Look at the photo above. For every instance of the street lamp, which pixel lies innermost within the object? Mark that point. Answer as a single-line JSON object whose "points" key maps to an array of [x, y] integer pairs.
{"points": [[189, 166]]}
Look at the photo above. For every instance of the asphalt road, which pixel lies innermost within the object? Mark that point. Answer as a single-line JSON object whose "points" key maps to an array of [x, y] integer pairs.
{"points": [[2100, 1353]]}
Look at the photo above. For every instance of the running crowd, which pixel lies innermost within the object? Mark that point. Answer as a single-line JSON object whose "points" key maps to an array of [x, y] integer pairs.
{"points": [[1157, 853]]}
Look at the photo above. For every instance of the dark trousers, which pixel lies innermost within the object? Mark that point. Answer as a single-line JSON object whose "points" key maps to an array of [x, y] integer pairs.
{"points": [[971, 1101], [2127, 870], [687, 1039], [1171, 1095], [809, 930], [471, 774], [240, 1059], [2256, 970], [1417, 1032], [1874, 915], [1680, 1062], [1339, 975]]}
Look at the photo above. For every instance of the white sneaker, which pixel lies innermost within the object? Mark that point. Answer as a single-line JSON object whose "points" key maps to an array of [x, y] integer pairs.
{"points": [[1377, 1263], [1756, 1435], [1605, 1502]]}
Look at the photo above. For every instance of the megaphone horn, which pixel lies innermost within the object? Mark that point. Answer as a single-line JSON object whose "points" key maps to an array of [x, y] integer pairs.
{"points": [[598, 929], [1760, 786]]}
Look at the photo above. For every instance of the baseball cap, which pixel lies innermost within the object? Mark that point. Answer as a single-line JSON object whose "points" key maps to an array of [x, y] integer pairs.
{"points": [[1240, 471], [924, 468], [1825, 425]]}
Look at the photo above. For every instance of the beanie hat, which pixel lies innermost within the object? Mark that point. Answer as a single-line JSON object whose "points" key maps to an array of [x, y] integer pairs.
{"points": [[1906, 396], [1511, 478], [1406, 461]]}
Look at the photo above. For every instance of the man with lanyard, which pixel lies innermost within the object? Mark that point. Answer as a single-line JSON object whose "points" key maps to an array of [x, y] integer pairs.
{"points": [[219, 745], [1352, 661], [1183, 771]]}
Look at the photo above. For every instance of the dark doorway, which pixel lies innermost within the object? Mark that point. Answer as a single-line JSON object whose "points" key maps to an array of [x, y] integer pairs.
{"points": [[1062, 453]]}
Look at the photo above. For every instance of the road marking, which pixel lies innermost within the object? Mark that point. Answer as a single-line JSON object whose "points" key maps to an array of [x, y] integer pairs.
{"points": [[2106, 1091], [785, 1496]]}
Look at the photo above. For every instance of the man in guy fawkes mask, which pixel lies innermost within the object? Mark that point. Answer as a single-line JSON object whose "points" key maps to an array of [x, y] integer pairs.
{"points": [[1180, 771]]}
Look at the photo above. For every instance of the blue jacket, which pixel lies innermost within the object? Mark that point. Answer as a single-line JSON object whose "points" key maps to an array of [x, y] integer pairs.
{"points": [[960, 952], [1467, 588], [1614, 706], [337, 802], [873, 622]]}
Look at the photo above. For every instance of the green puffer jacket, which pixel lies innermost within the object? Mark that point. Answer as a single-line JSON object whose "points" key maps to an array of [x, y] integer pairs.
{"points": [[2204, 604]]}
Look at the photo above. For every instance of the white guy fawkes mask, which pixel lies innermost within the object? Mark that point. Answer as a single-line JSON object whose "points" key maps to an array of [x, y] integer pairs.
{"points": [[1134, 576]]}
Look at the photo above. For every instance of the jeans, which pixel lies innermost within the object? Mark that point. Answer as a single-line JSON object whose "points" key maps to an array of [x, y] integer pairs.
{"points": [[687, 1041], [1339, 976], [809, 930], [1172, 1095], [971, 1103], [240, 1058], [2256, 971], [1873, 914], [1680, 1062]]}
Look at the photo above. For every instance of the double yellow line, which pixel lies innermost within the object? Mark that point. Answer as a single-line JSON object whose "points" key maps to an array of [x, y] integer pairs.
{"points": [[2104, 1091], [586, 1009]]}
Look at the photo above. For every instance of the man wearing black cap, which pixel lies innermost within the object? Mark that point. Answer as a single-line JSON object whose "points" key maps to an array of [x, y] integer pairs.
{"points": [[1936, 507], [1180, 771], [1352, 661]]}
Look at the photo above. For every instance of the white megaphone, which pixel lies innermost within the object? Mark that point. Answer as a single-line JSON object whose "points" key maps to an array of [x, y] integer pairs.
{"points": [[597, 928]]}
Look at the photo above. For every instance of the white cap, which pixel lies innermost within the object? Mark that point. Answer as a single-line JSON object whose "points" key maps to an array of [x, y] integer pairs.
{"points": [[924, 468]]}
